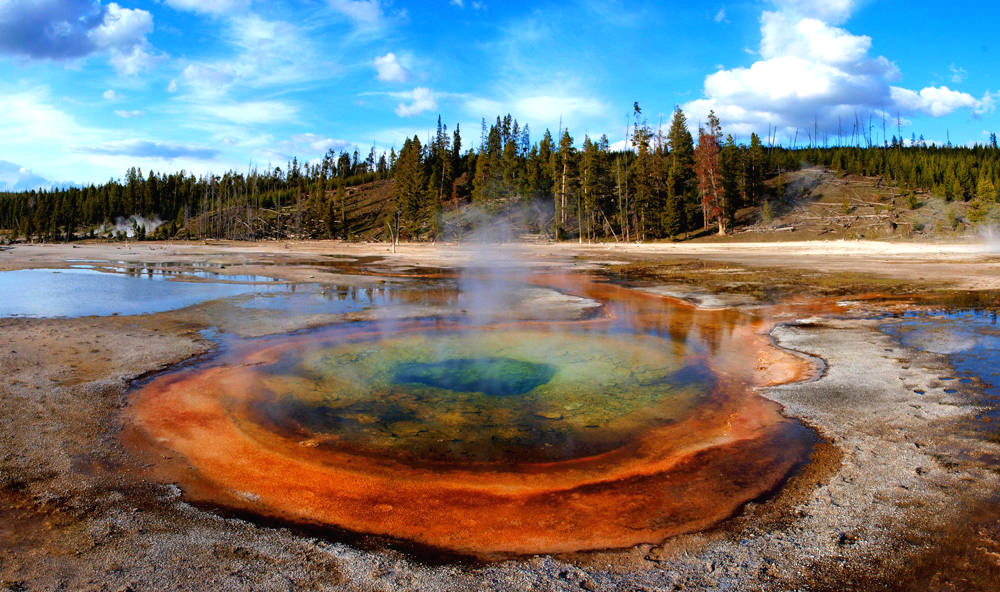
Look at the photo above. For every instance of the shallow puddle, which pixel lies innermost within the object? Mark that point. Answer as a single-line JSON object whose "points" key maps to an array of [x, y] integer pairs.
{"points": [[76, 292], [970, 339]]}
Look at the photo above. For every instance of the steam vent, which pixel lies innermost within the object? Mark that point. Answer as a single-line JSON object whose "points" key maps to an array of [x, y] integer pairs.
{"points": [[501, 437]]}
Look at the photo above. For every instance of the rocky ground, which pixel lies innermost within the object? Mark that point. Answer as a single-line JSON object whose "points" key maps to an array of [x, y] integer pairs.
{"points": [[901, 496]]}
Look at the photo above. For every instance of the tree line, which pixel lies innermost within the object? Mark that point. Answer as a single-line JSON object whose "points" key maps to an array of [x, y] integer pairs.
{"points": [[658, 184], [661, 185]]}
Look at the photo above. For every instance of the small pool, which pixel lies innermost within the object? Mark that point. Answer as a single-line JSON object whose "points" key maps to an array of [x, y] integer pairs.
{"points": [[78, 292], [970, 339]]}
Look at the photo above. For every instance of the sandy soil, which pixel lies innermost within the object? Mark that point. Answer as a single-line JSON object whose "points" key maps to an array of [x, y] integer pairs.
{"points": [[900, 497], [968, 265]]}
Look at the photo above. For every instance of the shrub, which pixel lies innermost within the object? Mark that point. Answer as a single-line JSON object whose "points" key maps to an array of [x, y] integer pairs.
{"points": [[766, 216], [978, 212], [952, 218]]}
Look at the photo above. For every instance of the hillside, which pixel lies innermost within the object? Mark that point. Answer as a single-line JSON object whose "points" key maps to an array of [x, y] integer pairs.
{"points": [[361, 216], [368, 208], [819, 203]]}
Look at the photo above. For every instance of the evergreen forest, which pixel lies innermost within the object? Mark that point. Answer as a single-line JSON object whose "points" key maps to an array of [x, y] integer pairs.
{"points": [[664, 184]]}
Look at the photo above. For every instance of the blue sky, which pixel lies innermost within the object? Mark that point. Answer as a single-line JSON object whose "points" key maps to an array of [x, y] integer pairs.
{"points": [[89, 88]]}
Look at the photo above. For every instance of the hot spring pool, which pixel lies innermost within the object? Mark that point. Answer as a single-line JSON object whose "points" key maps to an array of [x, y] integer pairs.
{"points": [[513, 436], [487, 396]]}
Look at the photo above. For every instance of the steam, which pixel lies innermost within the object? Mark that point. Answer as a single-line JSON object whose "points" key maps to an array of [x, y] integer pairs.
{"points": [[131, 224], [489, 283], [991, 238], [515, 219], [493, 281]]}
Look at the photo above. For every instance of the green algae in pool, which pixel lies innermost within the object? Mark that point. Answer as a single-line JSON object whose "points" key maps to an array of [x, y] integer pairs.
{"points": [[497, 377], [515, 396]]}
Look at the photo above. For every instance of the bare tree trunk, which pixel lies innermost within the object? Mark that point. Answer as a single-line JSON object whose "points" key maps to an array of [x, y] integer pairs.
{"points": [[562, 195], [621, 201]]}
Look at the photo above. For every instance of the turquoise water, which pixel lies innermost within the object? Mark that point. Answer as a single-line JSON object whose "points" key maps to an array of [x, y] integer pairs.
{"points": [[86, 292], [496, 377]]}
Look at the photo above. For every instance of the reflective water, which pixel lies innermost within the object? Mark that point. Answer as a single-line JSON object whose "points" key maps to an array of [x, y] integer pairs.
{"points": [[333, 299], [970, 338], [182, 271], [76, 292]]}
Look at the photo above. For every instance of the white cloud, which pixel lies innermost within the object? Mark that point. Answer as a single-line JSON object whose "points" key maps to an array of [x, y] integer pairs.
{"points": [[421, 100], [390, 69], [206, 79], [36, 128], [122, 27], [133, 61], [319, 143], [545, 109], [251, 112], [310, 144], [811, 39], [812, 74], [209, 6], [123, 31], [14, 177], [111, 95], [128, 114], [958, 74], [39, 132], [720, 16], [988, 103], [30, 119], [363, 13], [485, 107], [933, 101], [71, 29], [831, 11], [269, 53], [150, 149]]}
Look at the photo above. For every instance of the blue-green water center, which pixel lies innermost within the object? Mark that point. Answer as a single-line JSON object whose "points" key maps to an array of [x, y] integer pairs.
{"points": [[497, 377]]}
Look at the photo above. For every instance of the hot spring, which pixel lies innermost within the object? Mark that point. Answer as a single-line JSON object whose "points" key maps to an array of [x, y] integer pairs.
{"points": [[520, 432]]}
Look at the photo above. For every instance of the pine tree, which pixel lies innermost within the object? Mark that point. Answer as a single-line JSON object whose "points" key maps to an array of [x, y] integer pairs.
{"points": [[754, 175], [409, 189], [680, 178], [985, 189], [564, 158], [641, 173], [731, 173], [587, 195]]}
